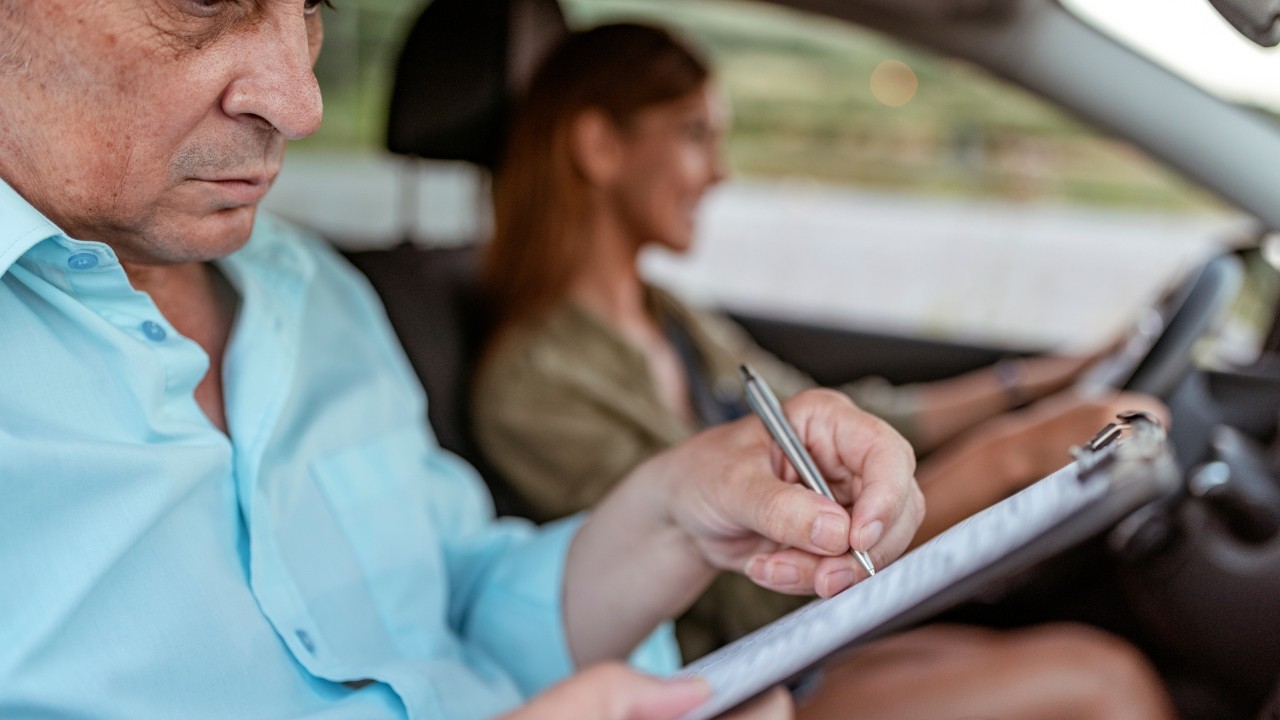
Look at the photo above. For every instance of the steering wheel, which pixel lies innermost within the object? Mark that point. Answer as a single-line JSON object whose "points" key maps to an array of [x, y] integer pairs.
{"points": [[1157, 354], [1201, 572]]}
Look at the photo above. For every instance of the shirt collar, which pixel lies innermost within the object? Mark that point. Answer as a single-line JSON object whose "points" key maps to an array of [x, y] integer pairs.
{"points": [[22, 227]]}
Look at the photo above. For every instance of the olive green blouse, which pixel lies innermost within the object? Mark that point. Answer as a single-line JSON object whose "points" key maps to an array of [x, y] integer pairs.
{"points": [[564, 407]]}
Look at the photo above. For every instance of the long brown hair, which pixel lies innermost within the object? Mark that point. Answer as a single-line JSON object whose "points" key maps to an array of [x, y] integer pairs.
{"points": [[539, 193]]}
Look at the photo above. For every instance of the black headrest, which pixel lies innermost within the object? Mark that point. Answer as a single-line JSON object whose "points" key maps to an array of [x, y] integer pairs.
{"points": [[461, 66]]}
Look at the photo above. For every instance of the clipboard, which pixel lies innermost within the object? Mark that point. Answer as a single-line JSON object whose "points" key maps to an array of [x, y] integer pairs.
{"points": [[1126, 466]]}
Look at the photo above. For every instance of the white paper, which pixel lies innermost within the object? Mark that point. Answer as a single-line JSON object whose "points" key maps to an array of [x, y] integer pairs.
{"points": [[777, 651]]}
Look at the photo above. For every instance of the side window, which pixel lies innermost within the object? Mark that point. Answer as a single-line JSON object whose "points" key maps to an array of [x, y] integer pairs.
{"points": [[822, 101], [879, 185], [874, 185]]}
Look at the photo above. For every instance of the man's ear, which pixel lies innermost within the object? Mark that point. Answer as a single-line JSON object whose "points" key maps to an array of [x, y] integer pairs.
{"points": [[596, 146]]}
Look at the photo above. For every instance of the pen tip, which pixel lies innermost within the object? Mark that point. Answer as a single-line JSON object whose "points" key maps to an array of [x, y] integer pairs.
{"points": [[745, 372], [865, 560]]}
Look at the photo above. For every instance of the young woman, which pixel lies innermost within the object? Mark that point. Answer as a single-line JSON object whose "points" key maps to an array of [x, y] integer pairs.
{"points": [[591, 370]]}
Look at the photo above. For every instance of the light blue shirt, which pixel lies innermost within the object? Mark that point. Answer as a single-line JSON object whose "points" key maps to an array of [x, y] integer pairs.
{"points": [[150, 567]]}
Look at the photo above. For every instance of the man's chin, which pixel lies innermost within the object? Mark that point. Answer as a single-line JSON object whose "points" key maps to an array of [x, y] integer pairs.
{"points": [[205, 237]]}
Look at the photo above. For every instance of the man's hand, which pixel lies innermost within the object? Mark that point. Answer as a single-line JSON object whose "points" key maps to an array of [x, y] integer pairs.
{"points": [[727, 499], [612, 691], [755, 517]]}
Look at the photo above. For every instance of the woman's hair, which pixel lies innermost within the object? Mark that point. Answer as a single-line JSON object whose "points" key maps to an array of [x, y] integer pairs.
{"points": [[539, 194]]}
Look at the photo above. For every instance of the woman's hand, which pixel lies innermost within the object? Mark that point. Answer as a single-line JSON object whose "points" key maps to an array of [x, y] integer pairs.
{"points": [[1002, 456], [1037, 441]]}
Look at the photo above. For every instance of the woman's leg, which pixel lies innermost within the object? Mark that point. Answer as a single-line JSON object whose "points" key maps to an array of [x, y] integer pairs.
{"points": [[1048, 672]]}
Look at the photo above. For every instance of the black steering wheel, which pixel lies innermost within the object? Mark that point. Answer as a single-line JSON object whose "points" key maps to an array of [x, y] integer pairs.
{"points": [[1202, 570], [1157, 354]]}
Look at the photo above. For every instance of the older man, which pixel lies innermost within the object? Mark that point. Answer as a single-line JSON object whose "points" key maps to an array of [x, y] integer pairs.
{"points": [[220, 496]]}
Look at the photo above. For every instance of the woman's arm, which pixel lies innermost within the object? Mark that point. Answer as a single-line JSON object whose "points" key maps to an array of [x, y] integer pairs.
{"points": [[949, 407]]}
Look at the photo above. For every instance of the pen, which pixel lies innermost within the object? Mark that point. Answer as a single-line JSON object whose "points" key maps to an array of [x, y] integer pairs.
{"points": [[765, 405]]}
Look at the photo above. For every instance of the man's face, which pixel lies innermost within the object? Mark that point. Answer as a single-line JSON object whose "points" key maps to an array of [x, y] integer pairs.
{"points": [[154, 125]]}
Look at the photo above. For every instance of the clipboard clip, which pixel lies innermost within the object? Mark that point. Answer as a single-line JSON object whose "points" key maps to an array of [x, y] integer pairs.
{"points": [[1099, 451]]}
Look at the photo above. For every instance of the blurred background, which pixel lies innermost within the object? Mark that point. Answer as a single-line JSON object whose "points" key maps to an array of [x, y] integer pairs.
{"points": [[874, 185]]}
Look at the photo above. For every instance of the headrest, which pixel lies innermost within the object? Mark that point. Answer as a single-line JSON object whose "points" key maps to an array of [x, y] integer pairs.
{"points": [[462, 64]]}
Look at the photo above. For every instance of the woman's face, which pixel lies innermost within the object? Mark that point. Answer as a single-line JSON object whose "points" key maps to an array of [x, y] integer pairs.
{"points": [[671, 155]]}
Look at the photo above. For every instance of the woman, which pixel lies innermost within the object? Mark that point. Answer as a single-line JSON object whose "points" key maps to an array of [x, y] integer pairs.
{"points": [[590, 370]]}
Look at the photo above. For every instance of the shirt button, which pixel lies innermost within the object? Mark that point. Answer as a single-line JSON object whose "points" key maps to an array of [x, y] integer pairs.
{"points": [[307, 643], [82, 261], [153, 331]]}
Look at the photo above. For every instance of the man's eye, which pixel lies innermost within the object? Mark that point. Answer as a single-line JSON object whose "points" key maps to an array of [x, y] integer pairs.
{"points": [[206, 8], [311, 6]]}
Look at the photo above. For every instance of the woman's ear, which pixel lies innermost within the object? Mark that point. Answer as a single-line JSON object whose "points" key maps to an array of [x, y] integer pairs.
{"points": [[596, 146]]}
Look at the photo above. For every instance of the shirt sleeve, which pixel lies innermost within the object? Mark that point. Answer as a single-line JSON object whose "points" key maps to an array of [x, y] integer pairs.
{"points": [[518, 614]]}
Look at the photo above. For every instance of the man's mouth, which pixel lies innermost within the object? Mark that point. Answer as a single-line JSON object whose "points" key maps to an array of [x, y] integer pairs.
{"points": [[234, 191]]}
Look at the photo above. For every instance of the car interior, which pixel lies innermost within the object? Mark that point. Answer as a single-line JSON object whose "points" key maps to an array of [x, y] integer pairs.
{"points": [[1193, 579]]}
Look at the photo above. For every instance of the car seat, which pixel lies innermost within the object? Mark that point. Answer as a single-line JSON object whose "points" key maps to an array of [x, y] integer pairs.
{"points": [[461, 65]]}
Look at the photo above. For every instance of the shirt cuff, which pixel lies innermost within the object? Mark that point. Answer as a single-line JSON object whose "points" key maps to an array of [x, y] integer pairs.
{"points": [[659, 654]]}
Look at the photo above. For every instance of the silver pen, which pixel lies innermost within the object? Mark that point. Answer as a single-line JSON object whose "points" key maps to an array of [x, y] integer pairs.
{"points": [[766, 406]]}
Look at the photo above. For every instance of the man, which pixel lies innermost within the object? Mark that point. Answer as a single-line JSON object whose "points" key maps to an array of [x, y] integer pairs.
{"points": [[221, 498]]}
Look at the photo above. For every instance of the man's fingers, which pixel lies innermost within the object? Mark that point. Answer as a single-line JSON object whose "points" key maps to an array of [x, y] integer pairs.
{"points": [[884, 504], [793, 515], [612, 691], [773, 705], [866, 459], [796, 572], [665, 699], [896, 537], [788, 571], [858, 454], [887, 511]]}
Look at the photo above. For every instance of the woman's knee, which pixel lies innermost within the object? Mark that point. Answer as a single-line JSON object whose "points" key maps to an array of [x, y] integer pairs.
{"points": [[1102, 674]]}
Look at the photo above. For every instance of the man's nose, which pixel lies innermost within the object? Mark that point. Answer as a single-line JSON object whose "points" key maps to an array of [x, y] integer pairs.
{"points": [[278, 84]]}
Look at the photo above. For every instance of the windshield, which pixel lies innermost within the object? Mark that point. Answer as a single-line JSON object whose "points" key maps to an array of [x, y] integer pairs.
{"points": [[1190, 38]]}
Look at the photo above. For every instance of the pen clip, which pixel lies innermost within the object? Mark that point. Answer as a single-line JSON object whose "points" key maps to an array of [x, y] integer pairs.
{"points": [[1101, 449]]}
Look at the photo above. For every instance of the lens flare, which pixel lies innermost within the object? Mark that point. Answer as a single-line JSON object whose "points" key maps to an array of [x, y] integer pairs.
{"points": [[893, 83]]}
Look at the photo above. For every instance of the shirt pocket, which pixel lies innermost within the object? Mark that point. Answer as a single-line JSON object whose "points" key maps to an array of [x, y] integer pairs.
{"points": [[377, 493]]}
